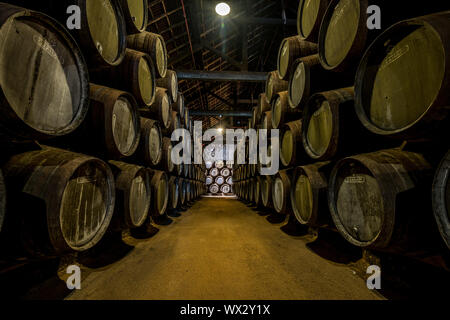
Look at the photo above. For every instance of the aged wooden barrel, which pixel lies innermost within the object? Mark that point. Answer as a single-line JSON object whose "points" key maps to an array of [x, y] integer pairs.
{"points": [[149, 151], [54, 99], [257, 192], [226, 188], [380, 200], [229, 180], [209, 180], [159, 183], [290, 50], [175, 123], [170, 83], [225, 172], [309, 17], [182, 195], [2, 200], [214, 172], [281, 192], [136, 74], [263, 106], [214, 188], [179, 106], [133, 194], [114, 122], [281, 112], [292, 151], [160, 110], [136, 15], [441, 198], [266, 191], [174, 193], [63, 201], [274, 84], [309, 194], [327, 116], [220, 180], [154, 45], [167, 164], [402, 82]]}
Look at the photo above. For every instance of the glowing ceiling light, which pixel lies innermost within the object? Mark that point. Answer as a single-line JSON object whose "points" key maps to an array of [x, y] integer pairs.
{"points": [[223, 9]]}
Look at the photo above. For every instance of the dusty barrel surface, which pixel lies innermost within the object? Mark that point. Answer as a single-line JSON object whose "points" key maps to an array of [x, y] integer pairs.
{"points": [[136, 15], [329, 122], [167, 164], [281, 192], [149, 151], [174, 193], [274, 84], [159, 182], [175, 123], [309, 17], [2, 199], [136, 74], [441, 198], [113, 122], [133, 194], [170, 83], [309, 194], [290, 50], [154, 45], [403, 79], [292, 151], [214, 188], [380, 200], [281, 112], [161, 109], [43, 77], [64, 201]]}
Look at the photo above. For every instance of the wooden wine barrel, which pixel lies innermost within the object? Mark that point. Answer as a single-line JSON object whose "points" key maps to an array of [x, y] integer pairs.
{"points": [[281, 112], [292, 151], [257, 192], [180, 107], [220, 180], [214, 172], [290, 50], [170, 83], [154, 45], [160, 192], [229, 180], [167, 164], [160, 109], [309, 77], [149, 152], [226, 188], [114, 122], [54, 99], [2, 200], [136, 74], [63, 201], [402, 83], [309, 195], [136, 15], [281, 192], [263, 106], [175, 123], [274, 84], [133, 194], [441, 198], [209, 180], [327, 117], [267, 121], [182, 195], [174, 193], [309, 17], [214, 188], [225, 172], [379, 200], [266, 191]]}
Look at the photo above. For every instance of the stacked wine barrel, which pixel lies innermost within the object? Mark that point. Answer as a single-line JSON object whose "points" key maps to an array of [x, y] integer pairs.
{"points": [[219, 178], [86, 122], [364, 125]]}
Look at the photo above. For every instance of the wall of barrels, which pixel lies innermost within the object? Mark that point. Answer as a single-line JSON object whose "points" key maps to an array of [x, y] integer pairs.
{"points": [[86, 117], [219, 178], [364, 126]]}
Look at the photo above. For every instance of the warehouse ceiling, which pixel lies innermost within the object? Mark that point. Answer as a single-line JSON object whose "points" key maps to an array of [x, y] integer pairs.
{"points": [[199, 39]]}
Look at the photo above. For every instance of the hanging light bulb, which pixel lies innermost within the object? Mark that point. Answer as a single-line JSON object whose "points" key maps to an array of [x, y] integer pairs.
{"points": [[223, 9]]}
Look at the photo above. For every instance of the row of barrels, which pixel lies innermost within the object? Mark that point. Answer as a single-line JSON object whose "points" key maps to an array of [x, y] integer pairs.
{"points": [[55, 201], [380, 200], [219, 177]]}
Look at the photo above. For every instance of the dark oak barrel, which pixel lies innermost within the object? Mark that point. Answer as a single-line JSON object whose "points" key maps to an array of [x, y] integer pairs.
{"points": [[175, 123], [290, 50], [214, 188], [403, 79], [170, 83], [113, 122], [226, 188], [2, 199], [133, 194], [62, 201], [159, 183], [291, 151], [381, 200], [179, 106], [309, 77], [220, 180], [174, 193], [441, 198], [154, 45], [44, 86], [281, 112], [149, 152], [263, 106], [274, 85], [309, 17], [167, 164], [281, 192], [309, 194], [160, 109], [209, 180], [257, 190], [326, 119], [136, 15], [225, 172], [136, 74]]}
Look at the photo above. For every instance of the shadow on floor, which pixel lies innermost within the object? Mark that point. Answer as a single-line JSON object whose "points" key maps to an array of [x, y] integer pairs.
{"points": [[162, 220], [275, 218], [294, 229], [173, 214]]}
